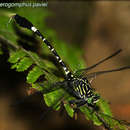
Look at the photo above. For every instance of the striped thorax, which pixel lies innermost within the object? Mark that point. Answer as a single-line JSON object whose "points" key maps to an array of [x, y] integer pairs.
{"points": [[83, 90]]}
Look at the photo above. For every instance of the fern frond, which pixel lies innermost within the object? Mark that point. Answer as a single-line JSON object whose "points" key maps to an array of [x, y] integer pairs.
{"points": [[24, 64], [69, 109], [16, 56], [34, 74]]}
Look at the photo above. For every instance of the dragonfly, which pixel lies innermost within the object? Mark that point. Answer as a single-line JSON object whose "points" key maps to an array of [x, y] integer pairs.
{"points": [[77, 84]]}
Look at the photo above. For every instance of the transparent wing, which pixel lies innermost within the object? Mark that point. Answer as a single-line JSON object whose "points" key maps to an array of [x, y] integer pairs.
{"points": [[82, 71], [95, 74]]}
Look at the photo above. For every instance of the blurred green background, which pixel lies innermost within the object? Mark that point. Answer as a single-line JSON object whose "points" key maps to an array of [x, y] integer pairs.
{"points": [[99, 28]]}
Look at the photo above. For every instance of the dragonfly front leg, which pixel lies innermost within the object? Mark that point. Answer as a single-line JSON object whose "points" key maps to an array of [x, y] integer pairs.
{"points": [[77, 102]]}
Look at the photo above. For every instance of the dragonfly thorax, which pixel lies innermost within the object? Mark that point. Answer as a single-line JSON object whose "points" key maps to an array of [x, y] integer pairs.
{"points": [[82, 89]]}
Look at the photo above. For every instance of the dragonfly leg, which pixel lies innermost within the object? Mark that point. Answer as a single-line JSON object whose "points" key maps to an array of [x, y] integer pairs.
{"points": [[77, 102]]}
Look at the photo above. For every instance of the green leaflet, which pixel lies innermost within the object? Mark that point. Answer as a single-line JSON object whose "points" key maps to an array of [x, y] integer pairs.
{"points": [[20, 62], [24, 64], [113, 123], [53, 99], [14, 66], [15, 56], [104, 107], [37, 59], [37, 86], [90, 115], [34, 74], [69, 110]]}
